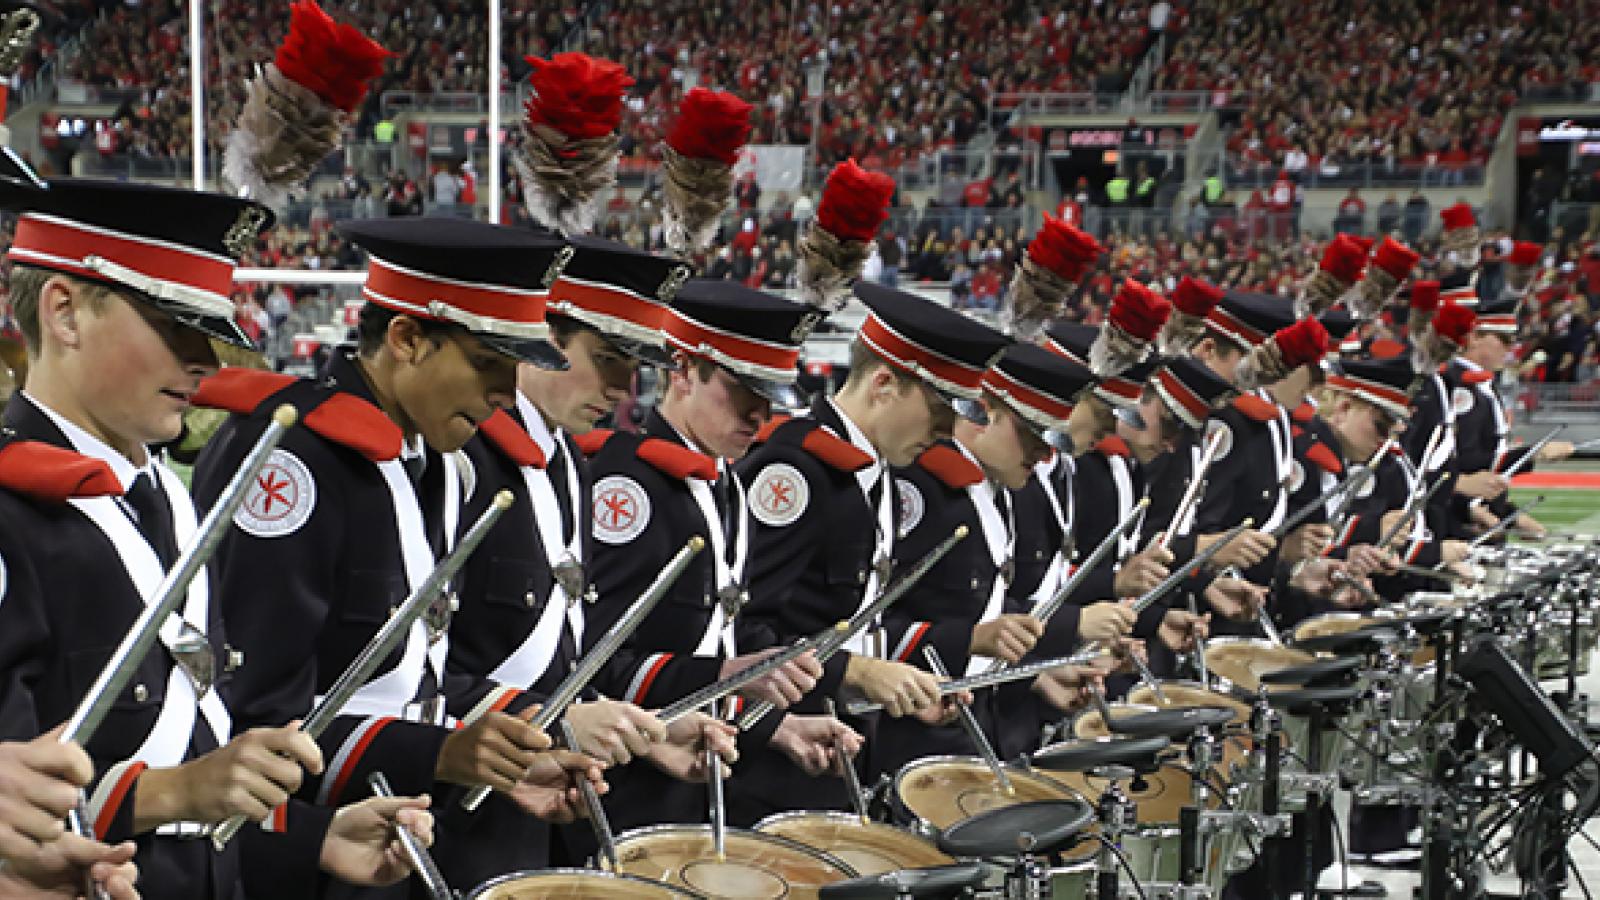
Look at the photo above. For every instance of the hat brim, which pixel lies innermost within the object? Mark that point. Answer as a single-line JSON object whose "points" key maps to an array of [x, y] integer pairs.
{"points": [[536, 351], [785, 394], [967, 408], [224, 329]]}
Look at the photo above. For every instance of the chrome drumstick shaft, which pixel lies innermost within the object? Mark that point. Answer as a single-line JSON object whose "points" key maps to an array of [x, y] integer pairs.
{"points": [[719, 815], [847, 770], [598, 820], [422, 864], [969, 723]]}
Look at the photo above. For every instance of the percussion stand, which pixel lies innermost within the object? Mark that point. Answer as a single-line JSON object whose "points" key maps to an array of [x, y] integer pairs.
{"points": [[1192, 838], [1116, 819]]}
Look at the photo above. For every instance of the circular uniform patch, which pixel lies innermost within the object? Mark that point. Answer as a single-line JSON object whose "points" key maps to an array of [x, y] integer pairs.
{"points": [[1296, 478], [912, 505], [1461, 400], [1224, 437], [281, 498], [779, 495], [621, 509]]}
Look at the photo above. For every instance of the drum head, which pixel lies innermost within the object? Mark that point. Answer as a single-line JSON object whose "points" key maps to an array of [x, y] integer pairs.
{"points": [[754, 865], [1038, 827], [1331, 623], [1083, 755], [946, 791], [1330, 670], [1090, 724], [871, 848], [573, 884], [1158, 796], [1357, 640], [1182, 694], [1241, 662]]}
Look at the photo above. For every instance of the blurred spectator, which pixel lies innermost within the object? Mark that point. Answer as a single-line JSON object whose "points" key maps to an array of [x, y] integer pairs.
{"points": [[1352, 215], [1388, 215], [1415, 217]]}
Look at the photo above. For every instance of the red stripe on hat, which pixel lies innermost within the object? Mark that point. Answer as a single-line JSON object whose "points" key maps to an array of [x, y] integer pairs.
{"points": [[387, 283], [692, 337], [1464, 295], [1180, 393], [64, 244], [1233, 326], [1497, 323], [910, 356], [1380, 392], [1048, 406], [1122, 387], [606, 301]]}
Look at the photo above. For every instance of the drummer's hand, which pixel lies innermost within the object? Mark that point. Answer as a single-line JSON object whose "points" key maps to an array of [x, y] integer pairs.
{"points": [[945, 711], [1530, 526], [614, 732], [1482, 516], [1236, 598], [1305, 542], [1316, 577], [781, 688], [361, 847], [1143, 571], [1250, 547], [1124, 649], [1008, 637], [1556, 450], [809, 741], [57, 867], [551, 791], [900, 689], [1484, 485], [1180, 629], [1348, 592], [1066, 688], [1454, 551], [1365, 559], [1105, 621], [683, 754], [495, 750]]}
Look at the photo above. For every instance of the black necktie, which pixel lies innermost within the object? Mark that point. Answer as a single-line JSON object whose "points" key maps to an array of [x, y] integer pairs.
{"points": [[557, 470], [722, 491], [155, 517]]}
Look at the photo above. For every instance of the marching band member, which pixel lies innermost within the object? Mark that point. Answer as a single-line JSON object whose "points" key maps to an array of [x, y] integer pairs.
{"points": [[40, 780], [351, 512]]}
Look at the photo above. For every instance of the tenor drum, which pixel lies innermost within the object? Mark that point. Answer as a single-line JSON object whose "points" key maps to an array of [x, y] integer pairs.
{"points": [[935, 792], [871, 848], [1237, 664], [573, 884], [754, 865], [1234, 749]]}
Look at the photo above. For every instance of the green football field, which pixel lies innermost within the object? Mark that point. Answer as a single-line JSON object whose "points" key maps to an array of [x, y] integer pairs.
{"points": [[1564, 509]]}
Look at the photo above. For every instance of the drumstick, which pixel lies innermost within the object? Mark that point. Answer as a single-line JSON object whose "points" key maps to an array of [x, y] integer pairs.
{"points": [[1532, 452], [1148, 677], [1199, 647], [591, 798], [970, 723], [1191, 494], [719, 816], [422, 864], [852, 781]]}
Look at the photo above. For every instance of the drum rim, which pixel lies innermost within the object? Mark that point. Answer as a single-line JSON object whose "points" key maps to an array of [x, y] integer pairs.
{"points": [[843, 818], [1120, 704], [780, 840], [500, 880]]}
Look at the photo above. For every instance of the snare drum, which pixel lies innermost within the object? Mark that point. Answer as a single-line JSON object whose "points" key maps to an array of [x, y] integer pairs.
{"points": [[754, 865], [1234, 748], [1237, 664], [935, 792], [573, 884], [871, 848]]}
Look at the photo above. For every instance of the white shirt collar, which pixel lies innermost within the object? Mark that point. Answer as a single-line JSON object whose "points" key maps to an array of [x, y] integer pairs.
{"points": [[868, 476], [538, 429], [91, 446]]}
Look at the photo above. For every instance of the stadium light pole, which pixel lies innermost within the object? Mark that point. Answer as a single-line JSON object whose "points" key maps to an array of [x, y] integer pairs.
{"points": [[494, 111], [197, 90]]}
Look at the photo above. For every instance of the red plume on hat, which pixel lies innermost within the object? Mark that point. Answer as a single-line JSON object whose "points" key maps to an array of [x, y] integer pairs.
{"points": [[568, 155], [1447, 333], [1192, 301], [1424, 302], [1301, 344], [1058, 257], [1340, 268], [297, 106], [1460, 234], [1391, 264], [1522, 264], [702, 146], [855, 204], [1136, 316]]}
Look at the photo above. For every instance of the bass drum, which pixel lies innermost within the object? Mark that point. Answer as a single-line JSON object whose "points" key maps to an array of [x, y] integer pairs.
{"points": [[871, 848], [574, 884], [935, 792], [754, 866]]}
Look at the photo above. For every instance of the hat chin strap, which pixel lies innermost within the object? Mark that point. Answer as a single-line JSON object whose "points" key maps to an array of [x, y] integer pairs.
{"points": [[203, 302]]}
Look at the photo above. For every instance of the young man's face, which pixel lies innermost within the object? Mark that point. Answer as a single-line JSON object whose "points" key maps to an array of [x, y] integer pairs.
{"points": [[1362, 427], [1007, 447], [450, 384], [1158, 434], [1222, 357], [1489, 349], [717, 410], [913, 418], [598, 376]]}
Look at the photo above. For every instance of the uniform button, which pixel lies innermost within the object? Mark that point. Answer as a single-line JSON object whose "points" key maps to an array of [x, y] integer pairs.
{"points": [[708, 601], [140, 693], [861, 577], [530, 599], [1266, 494], [974, 582], [1038, 554], [235, 659]]}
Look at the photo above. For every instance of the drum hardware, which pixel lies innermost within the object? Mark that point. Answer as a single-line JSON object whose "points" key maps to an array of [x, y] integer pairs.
{"points": [[608, 644], [847, 771], [422, 864], [832, 640], [969, 724], [960, 879], [604, 838], [1199, 655], [1116, 819]]}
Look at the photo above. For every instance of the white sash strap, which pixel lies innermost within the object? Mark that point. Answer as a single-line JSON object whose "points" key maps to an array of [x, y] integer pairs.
{"points": [[718, 637], [870, 641], [532, 657], [1282, 460], [1502, 423], [1122, 480], [168, 741], [1000, 540]]}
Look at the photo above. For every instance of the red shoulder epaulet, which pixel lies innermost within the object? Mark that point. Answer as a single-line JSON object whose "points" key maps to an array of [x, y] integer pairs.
{"points": [[771, 426], [1384, 348], [1325, 459], [590, 442], [513, 440], [1296, 431], [54, 474], [677, 460], [834, 451], [947, 464], [1479, 376], [342, 418], [1396, 450], [240, 390], [1254, 407], [1305, 412], [1113, 446]]}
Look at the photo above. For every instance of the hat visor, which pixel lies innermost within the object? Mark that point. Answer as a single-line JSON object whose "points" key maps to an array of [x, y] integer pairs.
{"points": [[967, 408], [221, 328], [537, 351], [1129, 415], [1057, 439], [782, 394]]}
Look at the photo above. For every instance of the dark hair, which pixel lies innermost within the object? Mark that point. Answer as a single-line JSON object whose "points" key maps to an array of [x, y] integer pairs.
{"points": [[27, 284], [374, 322], [863, 362]]}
